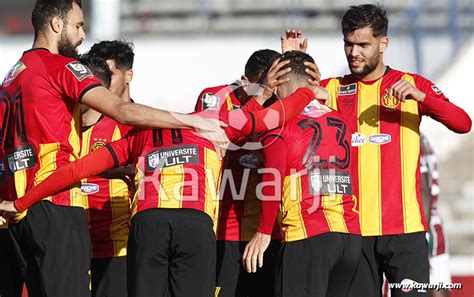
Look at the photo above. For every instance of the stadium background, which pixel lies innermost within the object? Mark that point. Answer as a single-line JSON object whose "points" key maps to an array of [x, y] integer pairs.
{"points": [[183, 46]]}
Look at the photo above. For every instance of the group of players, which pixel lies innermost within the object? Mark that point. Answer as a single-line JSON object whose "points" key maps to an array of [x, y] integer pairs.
{"points": [[328, 204]]}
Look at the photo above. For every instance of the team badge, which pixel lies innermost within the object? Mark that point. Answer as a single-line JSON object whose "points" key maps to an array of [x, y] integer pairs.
{"points": [[210, 101], [391, 103], [97, 146], [79, 70]]}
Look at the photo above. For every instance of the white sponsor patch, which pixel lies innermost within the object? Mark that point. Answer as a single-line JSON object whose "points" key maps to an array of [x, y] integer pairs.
{"points": [[436, 89], [358, 139], [88, 188], [380, 139], [250, 161]]}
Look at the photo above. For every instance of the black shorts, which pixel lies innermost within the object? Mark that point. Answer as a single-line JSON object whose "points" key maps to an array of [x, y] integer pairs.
{"points": [[54, 242], [233, 281], [109, 277], [320, 266], [171, 252], [11, 276], [400, 257]]}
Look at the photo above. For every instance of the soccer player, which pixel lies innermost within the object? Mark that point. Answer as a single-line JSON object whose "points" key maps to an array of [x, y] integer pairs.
{"points": [[239, 207], [308, 177], [108, 199], [383, 108], [178, 177], [42, 132]]}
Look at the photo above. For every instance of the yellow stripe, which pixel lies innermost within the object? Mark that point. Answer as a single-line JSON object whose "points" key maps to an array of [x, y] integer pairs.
{"points": [[140, 191], [47, 162], [212, 167], [410, 151], [292, 221], [334, 213], [333, 89], [75, 135], [369, 160], [229, 101], [171, 187]]}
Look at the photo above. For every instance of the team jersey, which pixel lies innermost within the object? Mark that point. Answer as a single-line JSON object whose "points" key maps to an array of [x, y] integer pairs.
{"points": [[107, 201], [239, 208], [309, 172], [428, 163], [385, 141], [43, 125]]}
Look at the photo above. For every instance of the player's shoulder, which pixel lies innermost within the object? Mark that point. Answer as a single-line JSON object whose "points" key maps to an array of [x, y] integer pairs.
{"points": [[325, 82]]}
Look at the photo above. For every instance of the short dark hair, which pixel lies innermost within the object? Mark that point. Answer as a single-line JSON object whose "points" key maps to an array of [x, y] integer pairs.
{"points": [[297, 59], [259, 63], [362, 16], [118, 50], [99, 68], [45, 10]]}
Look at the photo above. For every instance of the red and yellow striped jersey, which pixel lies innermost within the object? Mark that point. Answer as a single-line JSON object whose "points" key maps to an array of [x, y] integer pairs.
{"points": [[239, 208], [107, 201], [386, 147], [308, 171], [43, 125]]}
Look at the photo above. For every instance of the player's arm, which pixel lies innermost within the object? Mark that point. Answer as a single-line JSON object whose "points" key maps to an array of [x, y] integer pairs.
{"points": [[134, 114], [433, 103], [275, 167], [92, 164]]}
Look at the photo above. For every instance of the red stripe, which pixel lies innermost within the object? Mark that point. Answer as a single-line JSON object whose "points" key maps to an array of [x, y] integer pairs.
{"points": [[441, 246], [390, 164]]}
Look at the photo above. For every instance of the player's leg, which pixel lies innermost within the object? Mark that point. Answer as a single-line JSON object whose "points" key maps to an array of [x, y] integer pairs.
{"points": [[368, 278], [405, 260], [109, 277], [55, 243], [261, 284], [229, 272], [193, 254], [439, 273], [148, 254], [11, 278], [343, 272], [292, 268]]}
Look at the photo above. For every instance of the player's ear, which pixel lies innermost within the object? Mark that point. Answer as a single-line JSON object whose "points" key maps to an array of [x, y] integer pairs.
{"points": [[383, 44], [57, 24], [129, 76]]}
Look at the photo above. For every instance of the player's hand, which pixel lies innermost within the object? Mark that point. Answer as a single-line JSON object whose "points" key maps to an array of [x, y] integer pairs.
{"points": [[212, 130], [254, 251], [274, 79], [293, 41], [403, 91], [7, 206]]}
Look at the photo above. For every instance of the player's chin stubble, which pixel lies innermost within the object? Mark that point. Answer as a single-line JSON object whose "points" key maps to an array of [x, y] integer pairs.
{"points": [[67, 48]]}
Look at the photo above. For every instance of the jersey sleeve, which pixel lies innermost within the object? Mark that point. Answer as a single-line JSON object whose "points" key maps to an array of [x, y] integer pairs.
{"points": [[67, 175], [272, 179], [73, 80], [121, 150], [438, 107]]}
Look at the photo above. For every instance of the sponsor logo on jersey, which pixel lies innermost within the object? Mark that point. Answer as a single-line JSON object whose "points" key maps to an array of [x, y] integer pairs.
{"points": [[21, 157], [315, 109], [210, 101], [79, 70], [380, 139], [172, 156], [436, 90], [88, 188], [250, 161], [97, 146], [358, 139], [13, 73], [330, 182], [390, 102], [347, 90]]}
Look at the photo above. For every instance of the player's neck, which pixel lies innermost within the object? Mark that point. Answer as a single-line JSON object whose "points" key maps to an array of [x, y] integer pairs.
{"points": [[47, 43], [377, 73], [90, 117], [126, 95]]}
